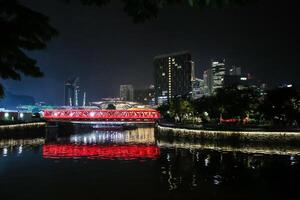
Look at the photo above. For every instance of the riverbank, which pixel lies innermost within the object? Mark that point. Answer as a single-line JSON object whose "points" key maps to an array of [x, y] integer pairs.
{"points": [[235, 136], [21, 129]]}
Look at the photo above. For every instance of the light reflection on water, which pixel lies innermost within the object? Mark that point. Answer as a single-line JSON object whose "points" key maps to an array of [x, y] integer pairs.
{"points": [[138, 163]]}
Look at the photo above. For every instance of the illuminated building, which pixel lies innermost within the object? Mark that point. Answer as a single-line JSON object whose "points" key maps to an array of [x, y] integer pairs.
{"points": [[206, 82], [197, 88], [71, 92], [218, 72], [172, 75], [126, 92], [235, 71]]}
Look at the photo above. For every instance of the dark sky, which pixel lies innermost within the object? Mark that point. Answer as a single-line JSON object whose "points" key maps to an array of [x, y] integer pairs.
{"points": [[105, 48]]}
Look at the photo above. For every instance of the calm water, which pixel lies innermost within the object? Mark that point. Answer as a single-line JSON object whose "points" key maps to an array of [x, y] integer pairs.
{"points": [[138, 165]]}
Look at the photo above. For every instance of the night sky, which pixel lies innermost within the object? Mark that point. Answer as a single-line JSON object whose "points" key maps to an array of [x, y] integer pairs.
{"points": [[105, 48]]}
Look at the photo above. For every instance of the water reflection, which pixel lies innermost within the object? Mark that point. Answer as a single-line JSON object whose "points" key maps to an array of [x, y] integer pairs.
{"points": [[137, 136], [127, 145], [127, 152], [214, 173]]}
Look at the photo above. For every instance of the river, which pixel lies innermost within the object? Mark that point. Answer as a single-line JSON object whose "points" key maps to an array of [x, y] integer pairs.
{"points": [[139, 164]]}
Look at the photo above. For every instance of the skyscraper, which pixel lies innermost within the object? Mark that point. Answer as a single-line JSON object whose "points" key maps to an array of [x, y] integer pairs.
{"points": [[197, 88], [172, 75], [207, 82], [126, 92], [235, 71], [145, 95], [193, 72], [71, 89], [218, 72]]}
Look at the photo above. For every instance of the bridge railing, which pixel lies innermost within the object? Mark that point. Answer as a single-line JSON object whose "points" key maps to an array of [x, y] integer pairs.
{"points": [[93, 114]]}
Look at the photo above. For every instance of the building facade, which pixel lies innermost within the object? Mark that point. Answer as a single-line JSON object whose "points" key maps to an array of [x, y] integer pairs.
{"points": [[172, 75], [145, 96], [235, 71], [218, 72], [197, 88], [126, 92], [207, 82], [71, 90]]}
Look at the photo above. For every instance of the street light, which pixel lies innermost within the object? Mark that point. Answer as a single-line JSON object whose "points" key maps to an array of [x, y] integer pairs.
{"points": [[6, 115], [21, 115]]}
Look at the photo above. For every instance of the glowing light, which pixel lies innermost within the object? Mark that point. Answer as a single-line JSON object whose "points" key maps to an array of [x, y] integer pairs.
{"points": [[6, 115], [85, 114], [22, 125], [5, 151], [101, 152], [20, 150], [21, 115]]}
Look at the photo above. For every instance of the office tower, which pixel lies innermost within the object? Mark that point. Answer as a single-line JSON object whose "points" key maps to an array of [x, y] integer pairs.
{"points": [[172, 75], [145, 95], [193, 72], [207, 82], [71, 90], [197, 88], [235, 71], [126, 92], [218, 72], [84, 99]]}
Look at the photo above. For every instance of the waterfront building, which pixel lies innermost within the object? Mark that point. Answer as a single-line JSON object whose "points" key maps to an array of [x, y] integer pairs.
{"points": [[172, 75], [126, 92], [71, 90], [218, 72]]}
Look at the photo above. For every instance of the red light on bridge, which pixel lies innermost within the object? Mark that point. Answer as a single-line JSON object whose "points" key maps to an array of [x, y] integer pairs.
{"points": [[57, 151], [84, 114]]}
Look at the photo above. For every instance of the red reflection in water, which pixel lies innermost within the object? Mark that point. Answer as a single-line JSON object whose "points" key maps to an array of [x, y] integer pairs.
{"points": [[102, 152]]}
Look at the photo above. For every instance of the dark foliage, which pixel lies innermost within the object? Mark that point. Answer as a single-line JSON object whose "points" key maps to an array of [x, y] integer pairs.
{"points": [[143, 10], [21, 29], [282, 106], [111, 107]]}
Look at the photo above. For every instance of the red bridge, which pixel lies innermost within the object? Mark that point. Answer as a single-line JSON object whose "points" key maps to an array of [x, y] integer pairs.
{"points": [[100, 115]]}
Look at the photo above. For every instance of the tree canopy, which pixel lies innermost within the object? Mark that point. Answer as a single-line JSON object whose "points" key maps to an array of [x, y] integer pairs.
{"points": [[141, 11], [22, 29]]}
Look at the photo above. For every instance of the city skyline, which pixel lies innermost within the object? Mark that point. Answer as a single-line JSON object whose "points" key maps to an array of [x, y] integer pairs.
{"points": [[73, 54]]}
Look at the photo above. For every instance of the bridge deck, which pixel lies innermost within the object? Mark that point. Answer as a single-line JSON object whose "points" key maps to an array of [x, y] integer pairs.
{"points": [[100, 115]]}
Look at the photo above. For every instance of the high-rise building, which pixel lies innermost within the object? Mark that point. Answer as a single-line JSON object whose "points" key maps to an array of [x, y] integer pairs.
{"points": [[235, 71], [145, 96], [218, 72], [197, 88], [207, 82], [126, 92], [193, 72], [173, 75], [71, 89], [84, 99]]}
